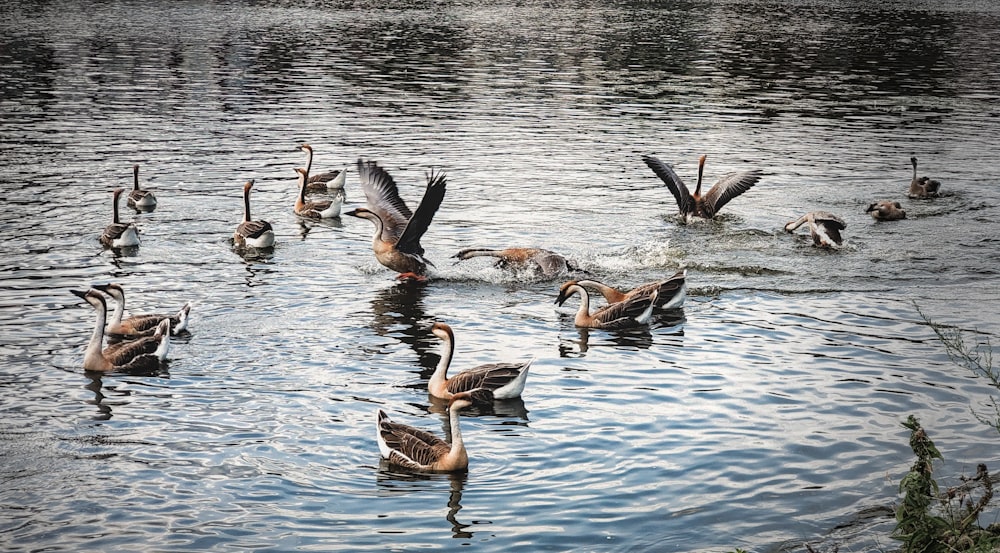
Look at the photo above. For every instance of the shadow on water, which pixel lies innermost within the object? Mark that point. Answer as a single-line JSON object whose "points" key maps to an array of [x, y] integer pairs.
{"points": [[392, 482], [398, 311]]}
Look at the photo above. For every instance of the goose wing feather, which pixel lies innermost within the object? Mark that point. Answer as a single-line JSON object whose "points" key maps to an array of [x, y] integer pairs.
{"points": [[729, 187], [491, 376], [685, 203], [408, 446], [383, 199], [253, 229], [409, 239], [123, 353], [628, 309]]}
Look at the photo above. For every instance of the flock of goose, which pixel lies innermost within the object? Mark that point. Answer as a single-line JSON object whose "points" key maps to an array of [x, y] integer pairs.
{"points": [[139, 343]]}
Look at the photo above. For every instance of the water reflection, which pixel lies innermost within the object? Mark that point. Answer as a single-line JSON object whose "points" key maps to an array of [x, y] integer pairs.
{"points": [[503, 408], [391, 483], [398, 311], [96, 385]]}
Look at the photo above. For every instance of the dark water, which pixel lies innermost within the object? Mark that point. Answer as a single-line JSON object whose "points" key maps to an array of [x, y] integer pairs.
{"points": [[766, 417]]}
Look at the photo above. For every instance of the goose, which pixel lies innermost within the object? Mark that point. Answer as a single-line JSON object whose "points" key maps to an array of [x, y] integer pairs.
{"points": [[922, 187], [137, 198], [323, 181], [140, 325], [144, 354], [119, 234], [485, 382], [249, 233], [695, 205], [318, 209], [886, 211], [825, 228], [421, 451], [398, 230], [546, 262], [671, 291], [632, 312]]}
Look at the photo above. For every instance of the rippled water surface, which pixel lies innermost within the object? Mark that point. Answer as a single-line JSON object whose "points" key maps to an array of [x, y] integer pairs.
{"points": [[764, 416]]}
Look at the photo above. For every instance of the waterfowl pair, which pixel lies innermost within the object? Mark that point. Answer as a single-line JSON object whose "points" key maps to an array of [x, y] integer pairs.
{"points": [[119, 234], [484, 383], [418, 450], [632, 312], [922, 187], [316, 209], [671, 292], [322, 182], [824, 227], [886, 211], [250, 233], [142, 355], [139, 198], [398, 230], [545, 262], [692, 206], [138, 326]]}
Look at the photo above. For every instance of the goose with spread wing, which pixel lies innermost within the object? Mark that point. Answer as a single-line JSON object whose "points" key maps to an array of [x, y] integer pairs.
{"points": [[696, 205], [825, 228]]}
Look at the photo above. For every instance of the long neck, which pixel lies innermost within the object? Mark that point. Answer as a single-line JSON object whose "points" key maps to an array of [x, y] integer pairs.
{"points": [[440, 375], [457, 445], [914, 162], [246, 205], [797, 223], [584, 311], [303, 177], [378, 225], [115, 208], [116, 317], [701, 171], [93, 358], [309, 162], [609, 293], [135, 177]]}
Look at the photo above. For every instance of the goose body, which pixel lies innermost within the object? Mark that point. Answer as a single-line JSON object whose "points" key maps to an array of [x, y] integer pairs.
{"points": [[545, 262], [824, 227], [886, 211], [139, 325], [316, 209], [670, 292], [398, 230], [322, 182], [119, 234], [417, 450], [250, 233], [144, 354], [629, 313], [696, 205], [484, 383], [138, 198], [922, 187]]}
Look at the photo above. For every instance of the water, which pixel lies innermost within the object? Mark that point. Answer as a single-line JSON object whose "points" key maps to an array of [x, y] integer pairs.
{"points": [[766, 417]]}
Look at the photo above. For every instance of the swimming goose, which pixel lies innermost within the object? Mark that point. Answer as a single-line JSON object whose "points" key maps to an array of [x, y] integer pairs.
{"points": [[119, 234], [485, 382], [671, 291], [632, 312], [922, 187], [143, 354], [417, 450], [886, 211], [253, 234], [397, 229], [323, 181], [140, 325], [546, 262], [316, 209], [824, 227], [696, 205], [137, 198]]}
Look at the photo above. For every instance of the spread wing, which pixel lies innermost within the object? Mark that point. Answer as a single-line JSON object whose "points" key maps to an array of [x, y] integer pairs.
{"points": [[829, 220], [409, 239], [666, 173], [383, 199], [730, 186]]}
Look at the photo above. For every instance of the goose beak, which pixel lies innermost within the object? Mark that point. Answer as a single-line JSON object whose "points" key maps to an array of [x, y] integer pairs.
{"points": [[81, 293]]}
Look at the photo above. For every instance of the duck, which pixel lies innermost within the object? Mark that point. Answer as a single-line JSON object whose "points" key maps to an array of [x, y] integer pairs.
{"points": [[398, 230], [138, 198], [485, 382], [119, 234], [420, 451], [140, 325], [142, 355], [694, 206], [322, 182], [250, 233], [671, 291], [922, 187], [824, 227], [886, 211], [545, 262], [632, 312], [316, 209]]}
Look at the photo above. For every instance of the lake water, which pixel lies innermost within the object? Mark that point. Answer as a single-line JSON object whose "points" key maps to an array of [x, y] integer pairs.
{"points": [[765, 416]]}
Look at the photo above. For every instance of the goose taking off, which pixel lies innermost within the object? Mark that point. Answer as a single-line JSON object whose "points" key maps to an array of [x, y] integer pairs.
{"points": [[485, 382], [545, 262], [695, 205], [824, 227], [316, 209], [142, 355], [138, 198], [922, 187], [632, 312], [670, 292], [139, 325], [417, 450], [397, 229], [119, 234], [322, 182], [886, 211], [249, 233]]}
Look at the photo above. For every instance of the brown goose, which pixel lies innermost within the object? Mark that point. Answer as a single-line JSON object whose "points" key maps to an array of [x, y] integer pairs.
{"points": [[397, 229], [485, 382], [632, 312], [316, 209], [138, 198], [139, 325], [119, 234], [671, 291], [249, 233], [824, 227], [696, 205], [144, 354], [322, 182], [417, 450], [886, 211], [923, 187], [545, 262]]}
